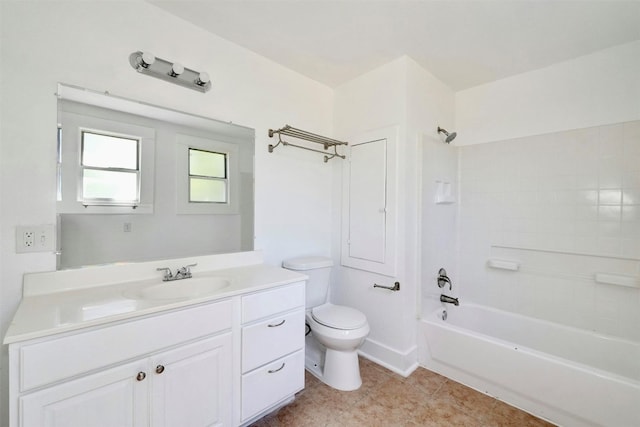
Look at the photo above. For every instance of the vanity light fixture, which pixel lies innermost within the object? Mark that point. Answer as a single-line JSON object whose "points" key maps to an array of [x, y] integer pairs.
{"points": [[147, 63]]}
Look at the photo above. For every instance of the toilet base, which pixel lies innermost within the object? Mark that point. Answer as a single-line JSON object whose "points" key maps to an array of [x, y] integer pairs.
{"points": [[337, 369], [342, 370]]}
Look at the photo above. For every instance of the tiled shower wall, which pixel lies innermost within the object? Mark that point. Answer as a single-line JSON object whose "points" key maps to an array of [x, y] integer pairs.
{"points": [[564, 205]]}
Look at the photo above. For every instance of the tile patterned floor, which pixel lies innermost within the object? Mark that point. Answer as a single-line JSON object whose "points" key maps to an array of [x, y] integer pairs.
{"points": [[388, 400]]}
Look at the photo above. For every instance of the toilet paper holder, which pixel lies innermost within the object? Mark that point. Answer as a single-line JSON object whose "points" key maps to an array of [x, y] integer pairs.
{"points": [[395, 287]]}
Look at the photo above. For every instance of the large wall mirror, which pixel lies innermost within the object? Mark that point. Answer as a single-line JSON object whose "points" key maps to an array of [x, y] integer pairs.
{"points": [[138, 182]]}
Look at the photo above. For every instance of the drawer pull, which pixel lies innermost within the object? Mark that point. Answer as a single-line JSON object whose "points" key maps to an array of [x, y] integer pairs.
{"points": [[273, 371], [277, 324], [141, 376], [159, 369]]}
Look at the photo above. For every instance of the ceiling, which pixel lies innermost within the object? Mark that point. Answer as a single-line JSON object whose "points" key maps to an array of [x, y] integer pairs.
{"points": [[462, 43]]}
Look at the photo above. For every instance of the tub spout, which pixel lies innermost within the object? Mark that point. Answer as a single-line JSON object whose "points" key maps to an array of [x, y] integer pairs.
{"points": [[449, 300]]}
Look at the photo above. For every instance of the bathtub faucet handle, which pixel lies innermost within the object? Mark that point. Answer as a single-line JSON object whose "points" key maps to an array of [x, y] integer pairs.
{"points": [[443, 279]]}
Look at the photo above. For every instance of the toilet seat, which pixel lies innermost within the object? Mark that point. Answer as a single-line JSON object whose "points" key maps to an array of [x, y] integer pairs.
{"points": [[338, 317]]}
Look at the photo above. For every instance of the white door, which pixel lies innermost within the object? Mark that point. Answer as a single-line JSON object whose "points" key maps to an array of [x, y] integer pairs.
{"points": [[191, 385], [114, 397]]}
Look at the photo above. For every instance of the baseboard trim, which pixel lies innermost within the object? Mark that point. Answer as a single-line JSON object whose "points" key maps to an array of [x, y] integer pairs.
{"points": [[402, 363]]}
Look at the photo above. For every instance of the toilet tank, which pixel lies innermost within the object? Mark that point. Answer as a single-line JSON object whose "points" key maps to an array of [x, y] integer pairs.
{"points": [[318, 269]]}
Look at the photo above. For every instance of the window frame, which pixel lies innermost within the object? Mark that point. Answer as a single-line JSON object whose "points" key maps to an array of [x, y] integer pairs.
{"points": [[183, 143], [100, 201], [73, 119], [225, 179]]}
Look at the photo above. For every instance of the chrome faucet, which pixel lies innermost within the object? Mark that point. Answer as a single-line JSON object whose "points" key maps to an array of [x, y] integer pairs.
{"points": [[181, 273], [449, 300]]}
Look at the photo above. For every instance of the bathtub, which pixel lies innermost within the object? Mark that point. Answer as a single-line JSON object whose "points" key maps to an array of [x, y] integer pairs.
{"points": [[568, 376]]}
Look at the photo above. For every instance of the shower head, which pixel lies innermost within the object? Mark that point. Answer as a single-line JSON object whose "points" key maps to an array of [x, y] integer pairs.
{"points": [[450, 136]]}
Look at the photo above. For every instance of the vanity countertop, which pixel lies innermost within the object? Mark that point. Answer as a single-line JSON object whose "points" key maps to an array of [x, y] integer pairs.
{"points": [[68, 309]]}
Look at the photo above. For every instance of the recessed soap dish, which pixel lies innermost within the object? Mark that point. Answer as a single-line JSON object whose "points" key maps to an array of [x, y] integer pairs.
{"points": [[443, 193]]}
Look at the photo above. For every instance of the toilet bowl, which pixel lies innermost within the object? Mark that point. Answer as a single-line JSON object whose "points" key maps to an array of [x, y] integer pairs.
{"points": [[341, 368], [336, 331]]}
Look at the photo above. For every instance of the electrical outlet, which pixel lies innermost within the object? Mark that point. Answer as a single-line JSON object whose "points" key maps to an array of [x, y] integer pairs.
{"points": [[28, 239], [36, 238]]}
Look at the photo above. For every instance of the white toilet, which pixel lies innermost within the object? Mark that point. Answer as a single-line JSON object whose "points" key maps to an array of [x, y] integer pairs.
{"points": [[338, 329]]}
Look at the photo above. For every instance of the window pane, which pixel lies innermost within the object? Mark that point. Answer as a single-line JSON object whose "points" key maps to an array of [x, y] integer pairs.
{"points": [[101, 184], [207, 163], [207, 190], [104, 151]]}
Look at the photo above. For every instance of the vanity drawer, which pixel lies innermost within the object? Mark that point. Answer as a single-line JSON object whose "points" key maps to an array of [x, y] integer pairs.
{"points": [[267, 303], [272, 338], [271, 383], [55, 359]]}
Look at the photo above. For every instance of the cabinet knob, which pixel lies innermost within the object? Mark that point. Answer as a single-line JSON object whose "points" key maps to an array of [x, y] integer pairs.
{"points": [[141, 376], [273, 371], [159, 369], [277, 324]]}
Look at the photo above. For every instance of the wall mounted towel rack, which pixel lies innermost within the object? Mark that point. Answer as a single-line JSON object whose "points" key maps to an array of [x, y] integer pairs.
{"points": [[328, 143]]}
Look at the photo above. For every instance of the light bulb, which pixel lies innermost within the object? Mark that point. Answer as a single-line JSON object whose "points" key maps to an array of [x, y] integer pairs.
{"points": [[203, 79], [147, 59], [176, 70]]}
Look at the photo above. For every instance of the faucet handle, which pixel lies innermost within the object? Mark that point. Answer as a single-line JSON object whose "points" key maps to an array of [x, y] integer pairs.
{"points": [[187, 268], [185, 272], [167, 273], [443, 279]]}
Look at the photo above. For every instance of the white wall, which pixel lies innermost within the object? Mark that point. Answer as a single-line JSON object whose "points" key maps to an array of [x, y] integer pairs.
{"points": [[374, 100], [591, 90], [398, 93], [88, 44]]}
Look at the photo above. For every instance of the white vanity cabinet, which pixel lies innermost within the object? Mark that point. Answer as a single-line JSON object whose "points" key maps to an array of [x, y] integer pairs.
{"points": [[86, 354], [164, 370], [272, 348]]}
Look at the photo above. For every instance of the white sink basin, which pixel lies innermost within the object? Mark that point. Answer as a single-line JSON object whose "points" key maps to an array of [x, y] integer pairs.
{"points": [[184, 288]]}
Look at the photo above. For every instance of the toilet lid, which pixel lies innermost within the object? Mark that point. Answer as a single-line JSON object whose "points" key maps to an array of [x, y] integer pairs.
{"points": [[338, 316]]}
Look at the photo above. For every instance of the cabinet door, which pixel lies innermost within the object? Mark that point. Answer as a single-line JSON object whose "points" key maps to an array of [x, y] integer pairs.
{"points": [[114, 397], [191, 385], [369, 226]]}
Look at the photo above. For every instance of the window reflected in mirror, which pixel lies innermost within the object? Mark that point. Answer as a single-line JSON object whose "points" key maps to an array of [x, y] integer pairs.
{"points": [[207, 176]]}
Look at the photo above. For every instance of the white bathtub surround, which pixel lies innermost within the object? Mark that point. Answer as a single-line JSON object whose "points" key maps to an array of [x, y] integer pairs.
{"points": [[565, 206], [549, 266], [568, 376]]}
